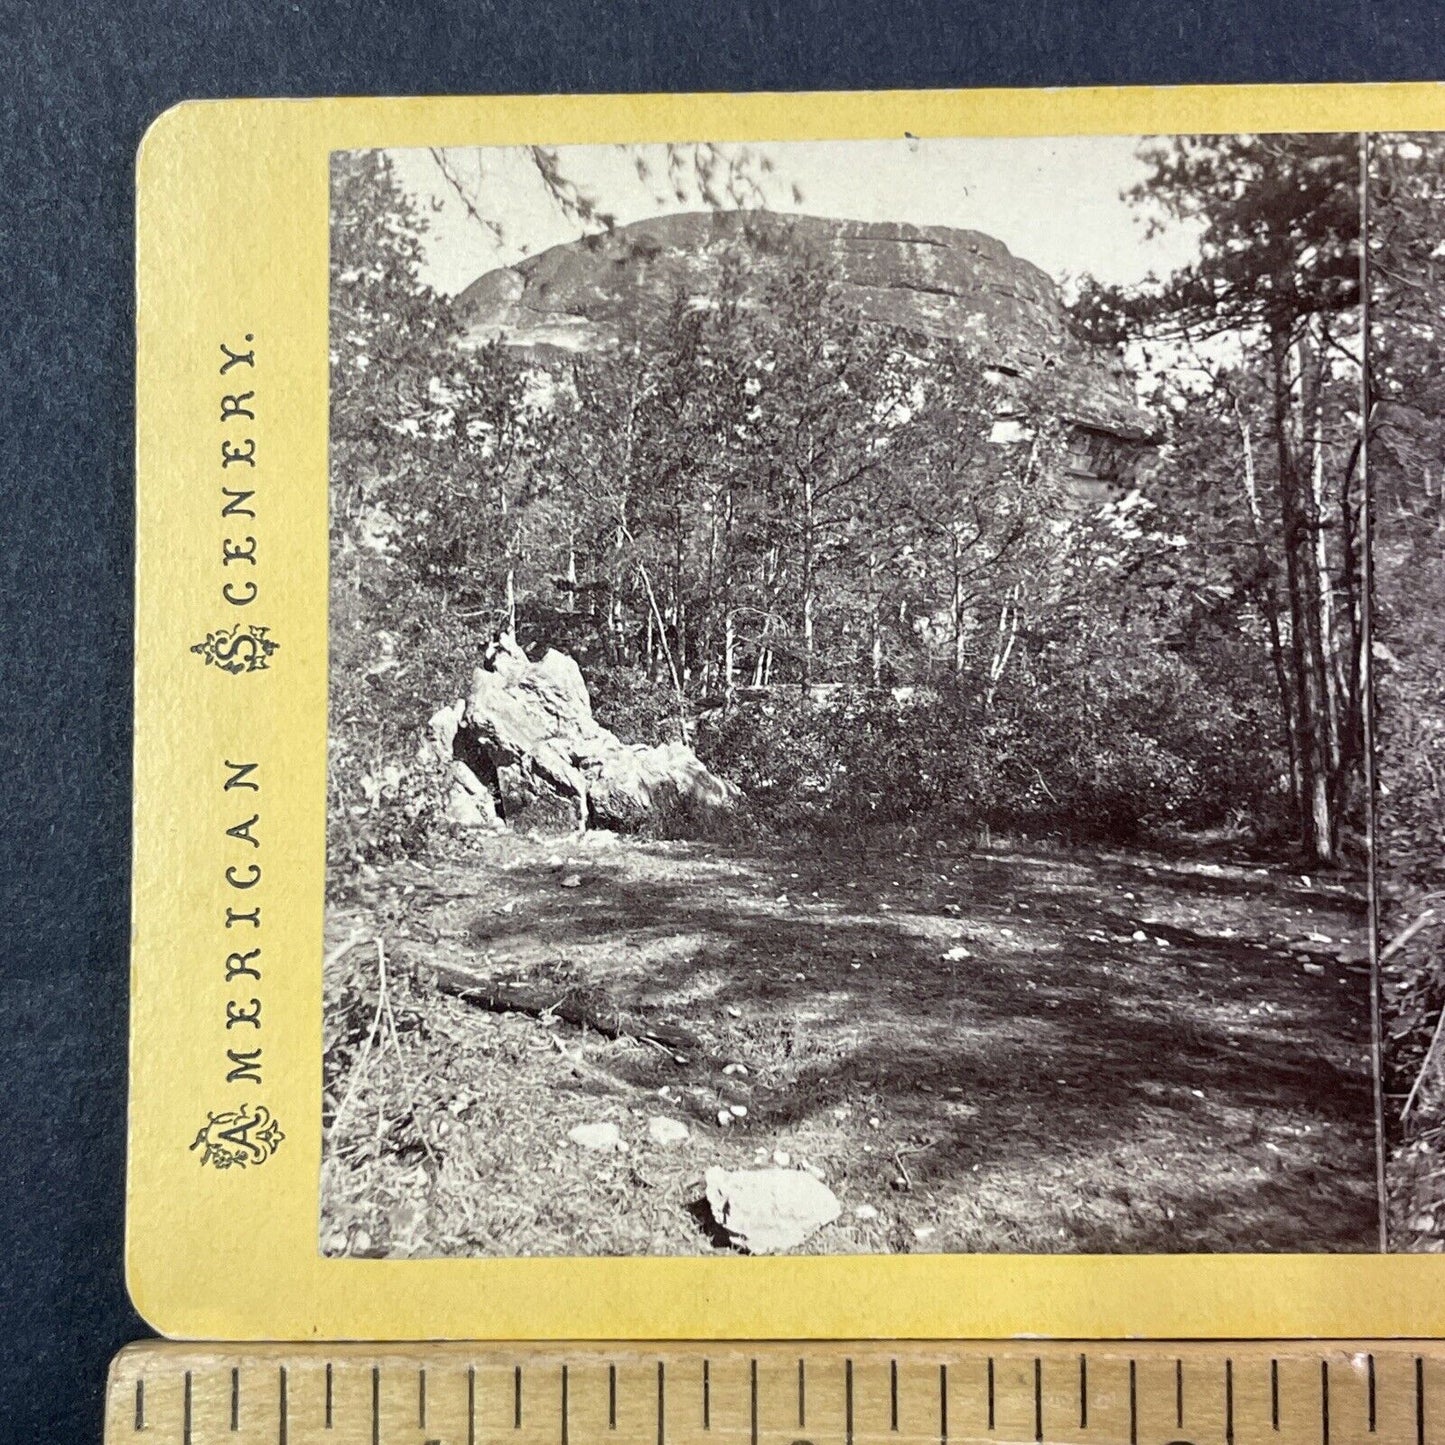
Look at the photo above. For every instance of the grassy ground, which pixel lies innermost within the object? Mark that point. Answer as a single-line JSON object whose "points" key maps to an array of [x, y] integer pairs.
{"points": [[986, 1051]]}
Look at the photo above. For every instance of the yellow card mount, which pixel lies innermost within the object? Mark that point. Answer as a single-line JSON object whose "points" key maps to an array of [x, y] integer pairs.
{"points": [[474, 1055], [1126, 1393]]}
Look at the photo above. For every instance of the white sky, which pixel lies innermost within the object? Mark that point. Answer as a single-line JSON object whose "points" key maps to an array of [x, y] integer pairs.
{"points": [[1055, 202]]}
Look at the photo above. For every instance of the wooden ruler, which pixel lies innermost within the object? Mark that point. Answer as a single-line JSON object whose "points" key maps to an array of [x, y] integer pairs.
{"points": [[1141, 1393]]}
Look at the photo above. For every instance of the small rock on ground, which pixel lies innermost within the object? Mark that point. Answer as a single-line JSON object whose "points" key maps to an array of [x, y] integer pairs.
{"points": [[597, 1136], [767, 1211], [663, 1130]]}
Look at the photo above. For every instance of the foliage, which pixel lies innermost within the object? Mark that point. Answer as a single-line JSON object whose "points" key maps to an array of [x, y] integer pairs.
{"points": [[1093, 737], [386, 789], [1273, 299], [635, 705], [1407, 438], [785, 502]]}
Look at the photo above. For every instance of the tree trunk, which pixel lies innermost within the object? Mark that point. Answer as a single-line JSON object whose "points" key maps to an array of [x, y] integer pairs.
{"points": [[1317, 821], [729, 655], [509, 584], [807, 581], [679, 627], [660, 632], [875, 622], [956, 606], [1324, 622], [679, 607], [1008, 631], [616, 643], [707, 631], [1352, 724], [1269, 588]]}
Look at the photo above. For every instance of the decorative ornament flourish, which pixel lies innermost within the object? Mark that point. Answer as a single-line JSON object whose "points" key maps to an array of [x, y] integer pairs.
{"points": [[238, 649], [237, 1137]]}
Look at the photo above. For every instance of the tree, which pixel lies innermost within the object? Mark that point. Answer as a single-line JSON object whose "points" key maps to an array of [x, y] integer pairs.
{"points": [[387, 329], [831, 391], [1278, 276], [1407, 436], [386, 326], [980, 508], [465, 501]]}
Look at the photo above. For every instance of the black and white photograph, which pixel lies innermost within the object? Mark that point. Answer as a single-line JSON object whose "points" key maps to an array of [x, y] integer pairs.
{"points": [[848, 673], [1407, 487]]}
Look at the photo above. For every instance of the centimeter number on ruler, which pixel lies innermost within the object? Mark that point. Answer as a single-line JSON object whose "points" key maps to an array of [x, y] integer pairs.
{"points": [[1139, 1393]]}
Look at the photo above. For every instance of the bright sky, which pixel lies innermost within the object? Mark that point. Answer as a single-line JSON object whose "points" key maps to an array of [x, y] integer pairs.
{"points": [[1055, 202]]}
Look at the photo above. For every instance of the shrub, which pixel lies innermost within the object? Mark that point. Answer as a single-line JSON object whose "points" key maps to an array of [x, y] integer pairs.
{"points": [[776, 752], [634, 705], [1115, 742], [386, 792], [1116, 739]]}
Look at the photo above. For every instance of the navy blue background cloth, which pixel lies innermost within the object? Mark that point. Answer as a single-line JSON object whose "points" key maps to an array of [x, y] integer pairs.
{"points": [[78, 85]]}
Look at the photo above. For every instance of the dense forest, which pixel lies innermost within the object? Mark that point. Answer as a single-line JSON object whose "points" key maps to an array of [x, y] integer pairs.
{"points": [[786, 497], [1407, 466]]}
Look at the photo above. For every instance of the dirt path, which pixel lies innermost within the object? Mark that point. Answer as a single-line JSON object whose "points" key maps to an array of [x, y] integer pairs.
{"points": [[983, 1051]]}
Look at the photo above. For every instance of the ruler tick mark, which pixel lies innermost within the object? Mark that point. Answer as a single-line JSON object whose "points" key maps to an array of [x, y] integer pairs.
{"points": [[1133, 1403], [893, 1394], [1179, 1394], [328, 1394], [753, 1400], [283, 1408], [943, 1404], [1324, 1402], [707, 1394], [1419, 1400], [140, 1404], [517, 1397], [1274, 1394], [186, 1411], [375, 1405], [1229, 1402], [235, 1399], [1038, 1399], [612, 1397], [803, 1396], [564, 1405], [471, 1405], [1370, 1390], [847, 1401], [421, 1398], [661, 1402], [1083, 1392], [990, 1392]]}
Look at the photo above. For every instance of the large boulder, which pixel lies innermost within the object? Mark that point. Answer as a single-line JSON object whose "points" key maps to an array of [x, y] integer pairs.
{"points": [[526, 737], [471, 802]]}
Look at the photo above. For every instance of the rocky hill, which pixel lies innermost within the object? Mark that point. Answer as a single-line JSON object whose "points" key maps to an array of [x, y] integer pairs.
{"points": [[933, 280]]}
